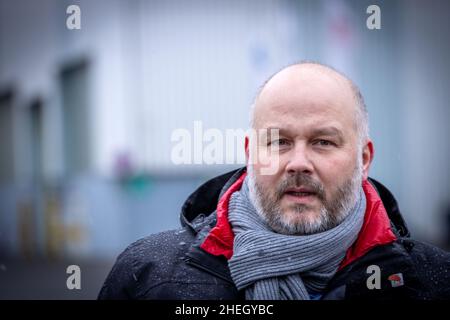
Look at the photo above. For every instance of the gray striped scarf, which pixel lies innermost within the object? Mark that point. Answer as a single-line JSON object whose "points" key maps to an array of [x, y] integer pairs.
{"points": [[273, 266]]}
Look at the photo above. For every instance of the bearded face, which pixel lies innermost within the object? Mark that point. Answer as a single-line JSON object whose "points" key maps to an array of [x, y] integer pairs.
{"points": [[323, 209]]}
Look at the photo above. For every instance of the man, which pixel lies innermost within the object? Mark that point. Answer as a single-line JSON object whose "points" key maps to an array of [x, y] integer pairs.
{"points": [[302, 221]]}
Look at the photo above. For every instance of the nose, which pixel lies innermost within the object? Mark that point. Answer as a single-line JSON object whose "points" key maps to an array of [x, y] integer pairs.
{"points": [[299, 160]]}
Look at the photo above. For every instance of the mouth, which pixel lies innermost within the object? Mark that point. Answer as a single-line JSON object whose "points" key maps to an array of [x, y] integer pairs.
{"points": [[300, 195]]}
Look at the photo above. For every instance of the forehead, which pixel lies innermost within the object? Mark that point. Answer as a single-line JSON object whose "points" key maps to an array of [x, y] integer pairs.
{"points": [[306, 97]]}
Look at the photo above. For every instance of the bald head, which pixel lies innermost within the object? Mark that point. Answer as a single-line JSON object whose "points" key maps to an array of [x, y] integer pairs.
{"points": [[310, 127], [311, 84]]}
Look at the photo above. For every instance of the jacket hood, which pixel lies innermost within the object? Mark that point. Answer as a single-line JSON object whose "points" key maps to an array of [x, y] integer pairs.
{"points": [[203, 202]]}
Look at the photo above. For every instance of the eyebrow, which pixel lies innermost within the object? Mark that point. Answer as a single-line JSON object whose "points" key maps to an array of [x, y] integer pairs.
{"points": [[321, 131], [328, 131]]}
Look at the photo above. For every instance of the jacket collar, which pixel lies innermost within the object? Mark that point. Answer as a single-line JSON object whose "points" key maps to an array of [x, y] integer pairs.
{"points": [[203, 202], [383, 222]]}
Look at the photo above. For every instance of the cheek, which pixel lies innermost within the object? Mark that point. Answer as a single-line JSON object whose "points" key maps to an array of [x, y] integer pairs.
{"points": [[333, 171], [268, 169]]}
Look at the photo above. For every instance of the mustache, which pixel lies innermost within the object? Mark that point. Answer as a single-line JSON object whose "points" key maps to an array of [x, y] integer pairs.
{"points": [[298, 180]]}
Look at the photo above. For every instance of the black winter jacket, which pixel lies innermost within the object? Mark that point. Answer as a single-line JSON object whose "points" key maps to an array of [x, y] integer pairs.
{"points": [[171, 264]]}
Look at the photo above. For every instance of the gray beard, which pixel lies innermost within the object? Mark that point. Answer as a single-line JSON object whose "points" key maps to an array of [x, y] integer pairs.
{"points": [[332, 211]]}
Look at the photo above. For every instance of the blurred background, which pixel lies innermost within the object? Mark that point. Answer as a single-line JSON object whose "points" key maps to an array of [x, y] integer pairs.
{"points": [[86, 116]]}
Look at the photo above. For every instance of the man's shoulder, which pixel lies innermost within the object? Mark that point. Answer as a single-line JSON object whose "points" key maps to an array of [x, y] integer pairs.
{"points": [[431, 265], [422, 251], [156, 250], [160, 252], [157, 245], [426, 255], [424, 268]]}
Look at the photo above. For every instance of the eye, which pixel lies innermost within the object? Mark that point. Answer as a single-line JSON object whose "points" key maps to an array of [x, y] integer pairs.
{"points": [[278, 143], [324, 143]]}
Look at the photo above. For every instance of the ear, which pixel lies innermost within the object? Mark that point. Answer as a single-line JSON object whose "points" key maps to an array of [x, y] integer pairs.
{"points": [[246, 150], [367, 157]]}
